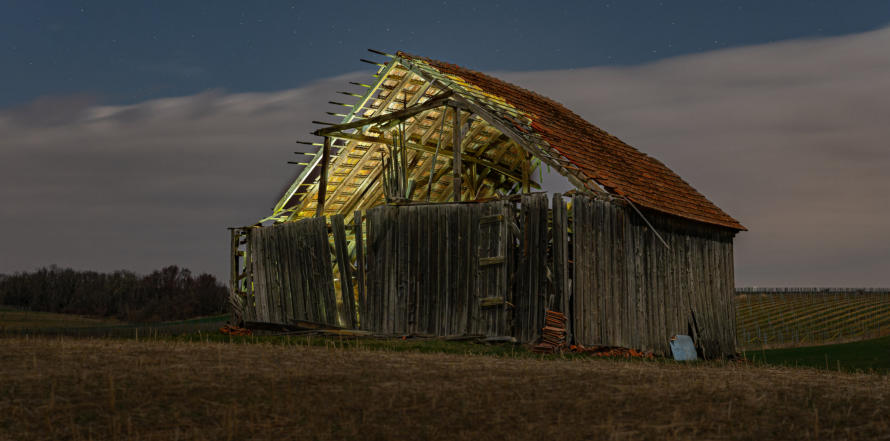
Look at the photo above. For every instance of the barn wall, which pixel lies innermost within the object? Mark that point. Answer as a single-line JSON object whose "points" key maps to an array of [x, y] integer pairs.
{"points": [[437, 269], [285, 274], [493, 268], [632, 290]]}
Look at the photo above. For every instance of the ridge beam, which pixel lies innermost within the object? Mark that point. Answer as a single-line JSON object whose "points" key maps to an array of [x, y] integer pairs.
{"points": [[437, 101], [432, 149]]}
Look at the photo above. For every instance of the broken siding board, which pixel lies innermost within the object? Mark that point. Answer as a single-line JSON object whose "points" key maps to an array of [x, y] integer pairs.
{"points": [[360, 269], [375, 268], [259, 270], [347, 294], [299, 294], [234, 296], [286, 267], [327, 276]]}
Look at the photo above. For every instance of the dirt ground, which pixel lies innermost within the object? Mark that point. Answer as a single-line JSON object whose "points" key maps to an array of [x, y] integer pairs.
{"points": [[63, 388]]}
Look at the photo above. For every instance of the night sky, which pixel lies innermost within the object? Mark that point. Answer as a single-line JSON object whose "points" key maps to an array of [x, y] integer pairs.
{"points": [[132, 136]]}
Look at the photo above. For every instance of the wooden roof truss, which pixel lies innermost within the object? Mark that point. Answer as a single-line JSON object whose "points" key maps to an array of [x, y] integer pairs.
{"points": [[397, 144]]}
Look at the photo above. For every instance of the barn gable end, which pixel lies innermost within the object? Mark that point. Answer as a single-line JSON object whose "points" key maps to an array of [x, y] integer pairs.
{"points": [[501, 123]]}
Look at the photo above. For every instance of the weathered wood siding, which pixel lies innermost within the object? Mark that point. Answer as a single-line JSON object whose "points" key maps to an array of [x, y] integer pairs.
{"points": [[290, 266], [437, 269], [493, 268], [631, 290]]}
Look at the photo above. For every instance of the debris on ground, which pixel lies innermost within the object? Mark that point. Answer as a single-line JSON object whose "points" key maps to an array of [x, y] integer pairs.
{"points": [[608, 351], [553, 341], [234, 330]]}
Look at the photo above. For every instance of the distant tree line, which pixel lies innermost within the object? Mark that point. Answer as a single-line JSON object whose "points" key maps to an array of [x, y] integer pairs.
{"points": [[171, 293]]}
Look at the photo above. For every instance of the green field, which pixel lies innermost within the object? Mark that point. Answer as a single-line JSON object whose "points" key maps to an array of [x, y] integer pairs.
{"points": [[861, 356], [798, 319]]}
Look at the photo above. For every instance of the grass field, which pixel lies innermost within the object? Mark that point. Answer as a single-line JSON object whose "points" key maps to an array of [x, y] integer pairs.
{"points": [[776, 320], [19, 322], [61, 388], [185, 380]]}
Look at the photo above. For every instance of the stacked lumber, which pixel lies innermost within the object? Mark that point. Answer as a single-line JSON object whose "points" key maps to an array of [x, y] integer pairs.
{"points": [[553, 335]]}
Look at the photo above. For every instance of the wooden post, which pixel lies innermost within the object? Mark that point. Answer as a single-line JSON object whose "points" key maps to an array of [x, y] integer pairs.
{"points": [[323, 180], [455, 147], [234, 292], [526, 164]]}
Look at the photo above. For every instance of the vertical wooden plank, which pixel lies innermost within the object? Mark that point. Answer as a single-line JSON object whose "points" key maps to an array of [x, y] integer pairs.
{"points": [[579, 272], [308, 237], [347, 293], [542, 242], [252, 261], [403, 281], [373, 270], [268, 277], [453, 299], [533, 291], [360, 269], [439, 251], [456, 142], [416, 274], [323, 179], [286, 269], [260, 290], [560, 257], [524, 290], [326, 279], [465, 216], [730, 287], [271, 266], [234, 295], [526, 165], [392, 270], [424, 251], [298, 293], [504, 244]]}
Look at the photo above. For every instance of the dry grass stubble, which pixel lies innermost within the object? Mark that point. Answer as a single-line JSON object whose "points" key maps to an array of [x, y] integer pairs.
{"points": [[55, 388]]}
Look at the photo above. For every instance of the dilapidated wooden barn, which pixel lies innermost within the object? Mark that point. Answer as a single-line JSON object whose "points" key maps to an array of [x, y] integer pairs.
{"points": [[420, 212]]}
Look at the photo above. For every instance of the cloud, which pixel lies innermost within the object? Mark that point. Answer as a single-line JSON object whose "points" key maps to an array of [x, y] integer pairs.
{"points": [[791, 138], [150, 184], [49, 110]]}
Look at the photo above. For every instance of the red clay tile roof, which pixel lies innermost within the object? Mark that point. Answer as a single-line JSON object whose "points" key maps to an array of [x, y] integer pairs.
{"points": [[616, 166]]}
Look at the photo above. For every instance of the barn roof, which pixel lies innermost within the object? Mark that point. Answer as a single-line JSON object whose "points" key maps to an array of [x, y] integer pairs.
{"points": [[591, 151], [511, 120]]}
